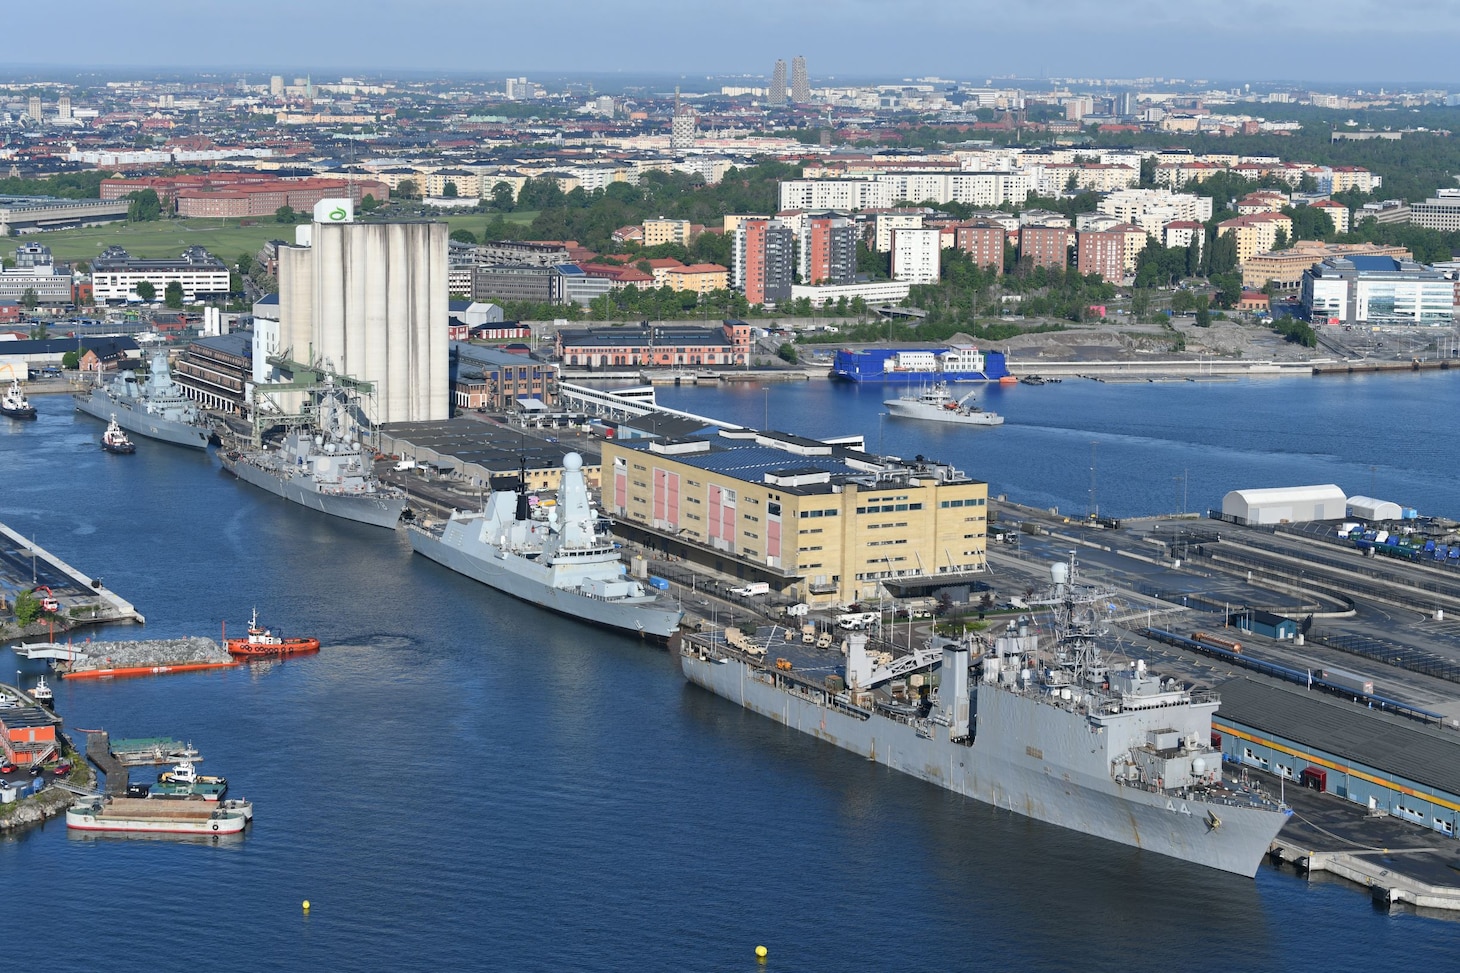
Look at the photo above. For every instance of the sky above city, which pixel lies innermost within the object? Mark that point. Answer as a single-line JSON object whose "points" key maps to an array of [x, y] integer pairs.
{"points": [[1354, 41]]}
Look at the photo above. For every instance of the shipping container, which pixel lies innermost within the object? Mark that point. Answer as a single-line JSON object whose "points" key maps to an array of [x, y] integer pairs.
{"points": [[660, 583]]}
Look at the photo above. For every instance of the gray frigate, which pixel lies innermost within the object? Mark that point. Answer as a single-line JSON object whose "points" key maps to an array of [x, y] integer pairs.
{"points": [[1053, 732], [558, 558], [155, 407]]}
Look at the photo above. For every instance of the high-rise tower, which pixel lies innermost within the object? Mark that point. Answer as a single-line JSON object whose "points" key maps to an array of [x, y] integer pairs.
{"points": [[778, 84], [682, 126], [800, 83]]}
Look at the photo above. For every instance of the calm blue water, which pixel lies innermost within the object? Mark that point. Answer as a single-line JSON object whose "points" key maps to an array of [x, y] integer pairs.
{"points": [[460, 781], [1385, 436]]}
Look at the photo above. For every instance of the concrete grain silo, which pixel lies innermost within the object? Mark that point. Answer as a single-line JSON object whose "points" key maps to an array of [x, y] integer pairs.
{"points": [[376, 300]]}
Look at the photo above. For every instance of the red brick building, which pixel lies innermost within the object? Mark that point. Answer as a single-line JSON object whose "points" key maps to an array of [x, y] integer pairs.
{"points": [[238, 194], [1102, 252], [1044, 246], [983, 242]]}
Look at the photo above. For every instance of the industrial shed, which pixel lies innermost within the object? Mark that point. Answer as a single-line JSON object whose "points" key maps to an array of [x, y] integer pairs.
{"points": [[1285, 505], [1367, 508], [1376, 759]]}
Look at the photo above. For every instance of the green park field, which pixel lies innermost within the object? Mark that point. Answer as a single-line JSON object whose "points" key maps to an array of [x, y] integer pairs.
{"points": [[224, 238]]}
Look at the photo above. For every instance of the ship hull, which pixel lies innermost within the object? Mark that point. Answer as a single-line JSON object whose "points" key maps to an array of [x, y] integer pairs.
{"points": [[103, 406], [1009, 771], [648, 620], [871, 366], [87, 821], [912, 410], [378, 511]]}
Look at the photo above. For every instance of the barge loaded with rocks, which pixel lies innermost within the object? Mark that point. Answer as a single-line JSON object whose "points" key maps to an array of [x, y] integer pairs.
{"points": [[142, 657]]}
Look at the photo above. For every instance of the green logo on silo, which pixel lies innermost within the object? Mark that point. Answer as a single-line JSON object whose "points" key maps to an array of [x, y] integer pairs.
{"points": [[338, 214]]}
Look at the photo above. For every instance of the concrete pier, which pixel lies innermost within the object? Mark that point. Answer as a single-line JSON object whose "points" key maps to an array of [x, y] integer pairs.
{"points": [[84, 590]]}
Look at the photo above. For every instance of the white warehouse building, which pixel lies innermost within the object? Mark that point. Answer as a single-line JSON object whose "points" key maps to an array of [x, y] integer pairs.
{"points": [[1285, 505], [1367, 508]]}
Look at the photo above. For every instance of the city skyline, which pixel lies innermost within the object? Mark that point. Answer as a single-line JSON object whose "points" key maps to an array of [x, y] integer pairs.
{"points": [[1061, 38]]}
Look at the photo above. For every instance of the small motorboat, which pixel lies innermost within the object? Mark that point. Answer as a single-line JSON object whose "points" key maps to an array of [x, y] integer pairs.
{"points": [[261, 643], [42, 693], [115, 440]]}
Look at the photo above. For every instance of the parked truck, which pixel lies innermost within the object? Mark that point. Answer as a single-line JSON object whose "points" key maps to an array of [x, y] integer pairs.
{"points": [[1351, 681]]}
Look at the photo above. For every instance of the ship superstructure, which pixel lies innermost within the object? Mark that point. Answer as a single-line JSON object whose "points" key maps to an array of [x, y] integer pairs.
{"points": [[558, 558], [322, 465]]}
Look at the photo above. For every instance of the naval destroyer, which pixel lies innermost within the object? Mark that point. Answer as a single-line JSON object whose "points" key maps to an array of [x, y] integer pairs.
{"points": [[155, 408], [558, 559], [1052, 732], [323, 468]]}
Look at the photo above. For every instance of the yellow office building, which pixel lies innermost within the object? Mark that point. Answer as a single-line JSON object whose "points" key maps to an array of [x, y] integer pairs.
{"points": [[820, 522]]}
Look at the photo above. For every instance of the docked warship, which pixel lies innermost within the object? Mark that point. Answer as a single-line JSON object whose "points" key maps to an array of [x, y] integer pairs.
{"points": [[322, 467], [1054, 733], [558, 559], [155, 408]]}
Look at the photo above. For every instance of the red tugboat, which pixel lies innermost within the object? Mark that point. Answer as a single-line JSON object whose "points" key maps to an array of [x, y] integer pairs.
{"points": [[261, 643]]}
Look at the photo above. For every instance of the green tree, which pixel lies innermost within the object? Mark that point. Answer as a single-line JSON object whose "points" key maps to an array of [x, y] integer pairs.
{"points": [[464, 236], [284, 214], [1148, 172], [502, 198], [1222, 254], [27, 608], [173, 295], [245, 263], [1280, 239], [1229, 288], [408, 189], [29, 299], [450, 191], [369, 203], [1203, 313], [71, 361], [143, 206], [1181, 302], [787, 352], [146, 291]]}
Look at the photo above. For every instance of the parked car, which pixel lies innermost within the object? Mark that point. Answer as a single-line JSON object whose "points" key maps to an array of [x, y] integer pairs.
{"points": [[8, 768]]}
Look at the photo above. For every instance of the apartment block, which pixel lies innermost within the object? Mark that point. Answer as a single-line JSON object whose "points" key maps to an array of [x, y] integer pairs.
{"points": [[1045, 246], [763, 257], [828, 250], [983, 242], [1255, 233], [917, 255]]}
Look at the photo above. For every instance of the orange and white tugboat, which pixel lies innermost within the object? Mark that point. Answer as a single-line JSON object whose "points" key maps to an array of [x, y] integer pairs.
{"points": [[261, 643]]}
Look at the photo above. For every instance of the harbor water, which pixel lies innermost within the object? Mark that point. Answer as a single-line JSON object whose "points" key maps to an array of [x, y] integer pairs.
{"points": [[1153, 447], [459, 780]]}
